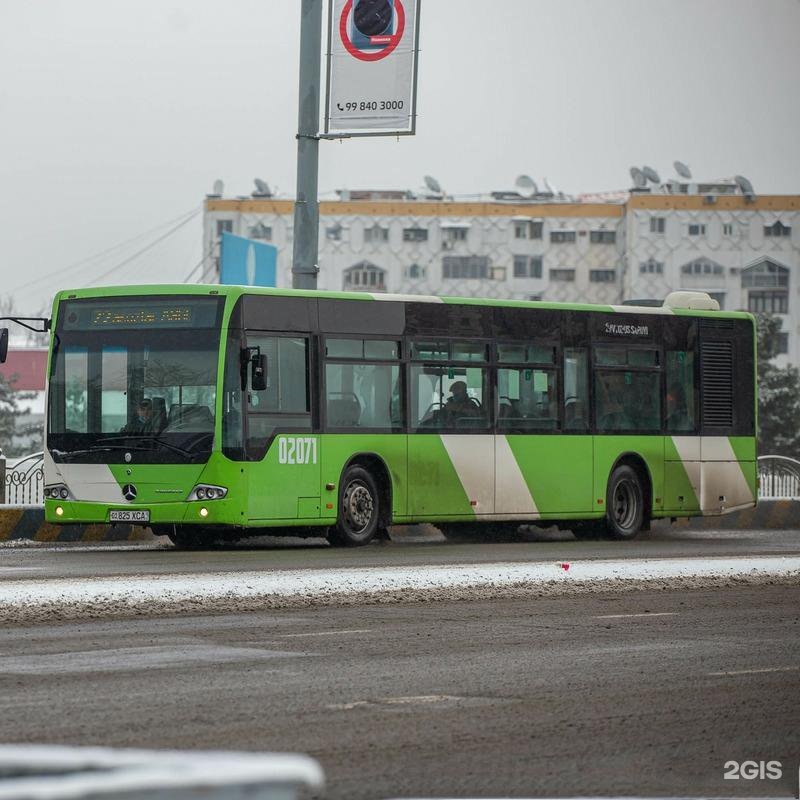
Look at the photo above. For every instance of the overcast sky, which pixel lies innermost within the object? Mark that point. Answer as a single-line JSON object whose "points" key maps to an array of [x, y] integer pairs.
{"points": [[117, 116]]}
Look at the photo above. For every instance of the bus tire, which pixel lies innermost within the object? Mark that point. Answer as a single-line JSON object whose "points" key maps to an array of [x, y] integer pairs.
{"points": [[625, 512], [359, 509]]}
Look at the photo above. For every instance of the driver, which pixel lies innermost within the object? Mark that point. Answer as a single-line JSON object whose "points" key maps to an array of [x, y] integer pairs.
{"points": [[142, 422], [460, 404]]}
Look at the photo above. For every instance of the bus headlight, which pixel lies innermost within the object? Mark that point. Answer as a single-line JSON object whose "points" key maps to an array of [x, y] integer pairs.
{"points": [[204, 491], [56, 492]]}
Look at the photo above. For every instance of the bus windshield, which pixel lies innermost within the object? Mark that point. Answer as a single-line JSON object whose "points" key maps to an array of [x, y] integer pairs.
{"points": [[134, 380]]}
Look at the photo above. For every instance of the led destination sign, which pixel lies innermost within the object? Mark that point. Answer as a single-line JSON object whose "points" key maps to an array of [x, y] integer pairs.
{"points": [[105, 314]]}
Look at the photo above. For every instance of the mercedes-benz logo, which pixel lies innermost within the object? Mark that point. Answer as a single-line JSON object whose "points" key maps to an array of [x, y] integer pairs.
{"points": [[129, 491]]}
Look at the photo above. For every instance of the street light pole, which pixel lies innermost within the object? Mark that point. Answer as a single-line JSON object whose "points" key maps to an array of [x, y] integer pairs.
{"points": [[306, 208]]}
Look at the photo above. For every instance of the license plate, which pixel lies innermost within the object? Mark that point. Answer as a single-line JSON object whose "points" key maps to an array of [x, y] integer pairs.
{"points": [[139, 515]]}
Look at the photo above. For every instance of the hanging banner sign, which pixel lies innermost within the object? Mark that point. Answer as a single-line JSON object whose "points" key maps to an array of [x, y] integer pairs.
{"points": [[372, 67]]}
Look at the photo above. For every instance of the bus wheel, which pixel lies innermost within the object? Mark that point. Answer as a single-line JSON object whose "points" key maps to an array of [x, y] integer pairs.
{"points": [[359, 507], [624, 504]]}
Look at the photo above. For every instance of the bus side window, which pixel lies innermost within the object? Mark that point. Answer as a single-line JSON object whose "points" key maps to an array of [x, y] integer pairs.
{"points": [[576, 389], [680, 408]]}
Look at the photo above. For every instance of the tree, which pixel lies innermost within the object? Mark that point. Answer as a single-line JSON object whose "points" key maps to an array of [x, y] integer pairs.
{"points": [[13, 422], [12, 418], [778, 394]]}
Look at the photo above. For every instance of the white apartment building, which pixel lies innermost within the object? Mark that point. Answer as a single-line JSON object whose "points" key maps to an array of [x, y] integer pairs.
{"points": [[744, 250]]}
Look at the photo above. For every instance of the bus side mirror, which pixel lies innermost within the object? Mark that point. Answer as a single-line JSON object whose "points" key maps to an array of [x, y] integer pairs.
{"points": [[3, 345], [258, 372]]}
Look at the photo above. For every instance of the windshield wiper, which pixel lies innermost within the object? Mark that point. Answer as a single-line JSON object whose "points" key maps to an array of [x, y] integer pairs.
{"points": [[65, 454], [148, 438]]}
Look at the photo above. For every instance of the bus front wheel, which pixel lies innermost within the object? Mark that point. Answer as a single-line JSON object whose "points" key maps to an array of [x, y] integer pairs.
{"points": [[359, 509], [624, 503]]}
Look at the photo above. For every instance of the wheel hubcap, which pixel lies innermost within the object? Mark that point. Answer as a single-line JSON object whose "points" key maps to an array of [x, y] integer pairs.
{"points": [[626, 504], [358, 506]]}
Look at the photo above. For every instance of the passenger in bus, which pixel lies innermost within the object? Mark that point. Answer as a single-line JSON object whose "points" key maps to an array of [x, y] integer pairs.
{"points": [[678, 418], [142, 421], [460, 404]]}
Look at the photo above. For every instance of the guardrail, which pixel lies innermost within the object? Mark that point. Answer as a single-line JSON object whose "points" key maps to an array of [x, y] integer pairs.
{"points": [[23, 483], [779, 478], [43, 772]]}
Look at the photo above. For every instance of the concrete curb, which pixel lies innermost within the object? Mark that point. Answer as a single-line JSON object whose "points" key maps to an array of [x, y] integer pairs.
{"points": [[27, 522], [768, 515]]}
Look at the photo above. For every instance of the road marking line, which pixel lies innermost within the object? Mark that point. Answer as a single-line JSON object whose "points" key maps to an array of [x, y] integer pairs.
{"points": [[629, 616], [753, 671], [324, 633]]}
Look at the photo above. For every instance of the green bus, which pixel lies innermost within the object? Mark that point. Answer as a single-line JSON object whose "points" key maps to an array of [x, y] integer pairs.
{"points": [[210, 413]]}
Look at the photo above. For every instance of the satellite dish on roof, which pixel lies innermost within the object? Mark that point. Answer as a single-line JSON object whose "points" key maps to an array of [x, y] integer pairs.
{"points": [[433, 184], [682, 169], [219, 187], [262, 188], [651, 175], [526, 185], [548, 188], [638, 178], [744, 184]]}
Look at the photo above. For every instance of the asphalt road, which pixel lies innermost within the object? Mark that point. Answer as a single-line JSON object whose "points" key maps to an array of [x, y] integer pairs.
{"points": [[646, 693], [80, 560]]}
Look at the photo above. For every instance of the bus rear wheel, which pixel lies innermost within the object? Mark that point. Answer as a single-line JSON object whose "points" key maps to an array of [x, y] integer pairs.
{"points": [[359, 509], [625, 510]]}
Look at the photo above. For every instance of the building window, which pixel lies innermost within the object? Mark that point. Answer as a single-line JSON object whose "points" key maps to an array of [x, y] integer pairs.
{"points": [[415, 272], [224, 226], [562, 274], [719, 297], [697, 229], [365, 277], [783, 343], [602, 275], [333, 233], [651, 267], [470, 267], [777, 229], [658, 224], [562, 237], [376, 234], [527, 267], [768, 302], [702, 266], [260, 231], [455, 234], [415, 234], [767, 274], [528, 229], [603, 237], [727, 229]]}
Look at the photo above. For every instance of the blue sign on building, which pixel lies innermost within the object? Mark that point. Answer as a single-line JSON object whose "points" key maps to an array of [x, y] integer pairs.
{"points": [[244, 262]]}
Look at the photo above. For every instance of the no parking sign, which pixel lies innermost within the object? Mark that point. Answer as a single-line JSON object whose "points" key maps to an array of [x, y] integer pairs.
{"points": [[372, 67]]}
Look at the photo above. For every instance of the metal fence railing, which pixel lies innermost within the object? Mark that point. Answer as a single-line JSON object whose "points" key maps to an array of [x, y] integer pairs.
{"points": [[23, 481], [779, 478]]}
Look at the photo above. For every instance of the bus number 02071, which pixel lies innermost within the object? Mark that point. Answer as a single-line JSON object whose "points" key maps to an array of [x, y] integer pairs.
{"points": [[297, 450]]}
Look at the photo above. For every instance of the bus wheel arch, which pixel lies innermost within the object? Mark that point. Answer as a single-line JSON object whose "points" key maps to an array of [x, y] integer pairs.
{"points": [[629, 477], [362, 475]]}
